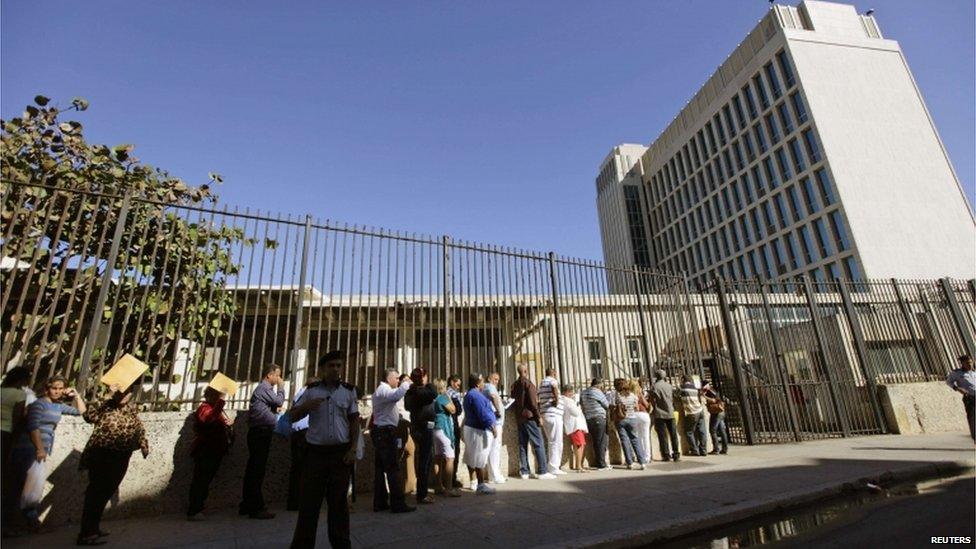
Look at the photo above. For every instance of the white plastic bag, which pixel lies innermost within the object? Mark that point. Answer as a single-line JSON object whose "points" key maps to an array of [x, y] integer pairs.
{"points": [[33, 486]]}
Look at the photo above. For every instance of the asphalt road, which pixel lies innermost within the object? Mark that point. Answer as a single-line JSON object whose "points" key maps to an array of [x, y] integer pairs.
{"points": [[949, 509]]}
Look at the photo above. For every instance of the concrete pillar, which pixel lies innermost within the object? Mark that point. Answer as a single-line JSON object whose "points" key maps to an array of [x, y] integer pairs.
{"points": [[406, 355]]}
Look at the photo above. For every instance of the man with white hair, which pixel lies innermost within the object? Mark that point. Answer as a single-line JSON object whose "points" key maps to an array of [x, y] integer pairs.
{"points": [[550, 404], [386, 417], [494, 456]]}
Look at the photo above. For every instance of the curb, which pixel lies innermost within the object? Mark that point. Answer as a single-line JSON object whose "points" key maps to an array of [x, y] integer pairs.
{"points": [[698, 524]]}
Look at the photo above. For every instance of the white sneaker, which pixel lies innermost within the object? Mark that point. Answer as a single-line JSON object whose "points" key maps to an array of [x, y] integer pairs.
{"points": [[524, 477], [474, 485], [634, 466], [546, 476], [558, 472], [607, 468], [500, 480], [484, 489]]}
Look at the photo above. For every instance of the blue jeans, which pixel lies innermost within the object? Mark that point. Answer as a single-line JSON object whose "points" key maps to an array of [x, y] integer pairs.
{"points": [[697, 433], [629, 441], [530, 432], [720, 433]]}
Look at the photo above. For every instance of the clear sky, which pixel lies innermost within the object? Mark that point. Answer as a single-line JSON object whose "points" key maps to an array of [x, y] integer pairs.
{"points": [[485, 122]]}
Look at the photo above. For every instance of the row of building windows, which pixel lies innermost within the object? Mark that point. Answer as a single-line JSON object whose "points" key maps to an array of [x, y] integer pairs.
{"points": [[705, 185], [843, 267]]}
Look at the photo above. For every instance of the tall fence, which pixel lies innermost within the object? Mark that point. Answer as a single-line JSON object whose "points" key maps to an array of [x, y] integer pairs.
{"points": [[192, 290]]}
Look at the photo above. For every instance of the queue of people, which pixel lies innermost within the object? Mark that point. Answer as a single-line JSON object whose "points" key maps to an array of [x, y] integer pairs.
{"points": [[430, 417]]}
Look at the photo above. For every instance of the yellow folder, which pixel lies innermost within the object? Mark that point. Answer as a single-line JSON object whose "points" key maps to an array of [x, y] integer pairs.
{"points": [[124, 372], [223, 384]]}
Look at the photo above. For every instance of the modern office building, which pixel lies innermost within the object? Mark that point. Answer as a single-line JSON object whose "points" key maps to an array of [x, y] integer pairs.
{"points": [[809, 151], [621, 203]]}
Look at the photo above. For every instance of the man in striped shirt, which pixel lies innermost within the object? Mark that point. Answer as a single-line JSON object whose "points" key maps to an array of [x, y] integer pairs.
{"points": [[594, 403], [552, 419]]}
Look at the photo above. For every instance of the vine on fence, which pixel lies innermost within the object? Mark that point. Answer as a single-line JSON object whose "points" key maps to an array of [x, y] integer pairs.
{"points": [[62, 197]]}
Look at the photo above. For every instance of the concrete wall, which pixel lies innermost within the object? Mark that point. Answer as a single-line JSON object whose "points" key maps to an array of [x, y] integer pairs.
{"points": [[917, 408], [160, 483]]}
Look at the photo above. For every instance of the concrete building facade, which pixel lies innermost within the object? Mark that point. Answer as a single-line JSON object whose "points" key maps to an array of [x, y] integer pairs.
{"points": [[809, 151], [621, 203]]}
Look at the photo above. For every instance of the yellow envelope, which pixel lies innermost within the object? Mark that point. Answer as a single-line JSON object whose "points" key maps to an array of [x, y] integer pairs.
{"points": [[224, 384], [125, 371]]}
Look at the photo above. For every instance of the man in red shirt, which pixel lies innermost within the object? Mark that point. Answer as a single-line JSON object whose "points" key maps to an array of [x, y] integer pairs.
{"points": [[212, 438]]}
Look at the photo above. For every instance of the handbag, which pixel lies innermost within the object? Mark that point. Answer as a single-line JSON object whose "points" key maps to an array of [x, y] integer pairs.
{"points": [[618, 412]]}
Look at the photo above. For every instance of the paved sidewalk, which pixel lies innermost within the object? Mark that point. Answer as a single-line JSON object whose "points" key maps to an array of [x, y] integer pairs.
{"points": [[597, 508]]}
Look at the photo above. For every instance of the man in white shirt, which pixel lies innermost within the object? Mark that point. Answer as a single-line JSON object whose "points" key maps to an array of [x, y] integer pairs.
{"points": [[386, 417], [494, 455], [552, 419]]}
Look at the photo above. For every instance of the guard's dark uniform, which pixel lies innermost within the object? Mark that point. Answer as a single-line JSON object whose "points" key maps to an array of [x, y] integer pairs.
{"points": [[325, 474]]}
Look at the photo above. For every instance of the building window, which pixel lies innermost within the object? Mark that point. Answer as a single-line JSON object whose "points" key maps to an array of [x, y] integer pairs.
{"points": [[834, 271], [840, 233], [799, 107], [807, 245], [773, 80], [784, 165], [750, 148], [747, 188], [756, 225], [769, 217], [727, 114], [737, 105], [744, 229], [761, 90], [853, 273], [772, 128], [810, 196], [826, 188], [750, 102], [823, 239], [795, 204], [737, 150], [721, 130], [760, 184], [770, 172], [595, 348], [812, 148], [760, 138], [785, 118], [784, 219], [797, 156], [791, 249], [786, 68], [635, 356]]}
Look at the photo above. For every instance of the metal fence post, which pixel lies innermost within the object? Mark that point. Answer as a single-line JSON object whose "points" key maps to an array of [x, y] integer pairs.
{"points": [[822, 348], [733, 345], [923, 363], [696, 334], [645, 349], [780, 366], [106, 282], [957, 317], [297, 367], [553, 286], [446, 301], [860, 349]]}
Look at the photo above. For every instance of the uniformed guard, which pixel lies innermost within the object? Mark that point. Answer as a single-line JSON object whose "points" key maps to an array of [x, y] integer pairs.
{"points": [[332, 435]]}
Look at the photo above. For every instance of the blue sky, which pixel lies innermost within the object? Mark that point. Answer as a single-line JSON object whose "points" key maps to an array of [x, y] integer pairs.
{"points": [[485, 122]]}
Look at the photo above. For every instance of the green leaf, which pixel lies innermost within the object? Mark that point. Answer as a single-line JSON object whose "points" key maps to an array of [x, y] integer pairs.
{"points": [[80, 103], [215, 177], [41, 100]]}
